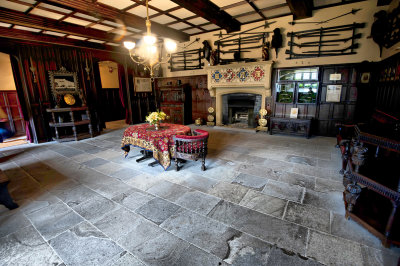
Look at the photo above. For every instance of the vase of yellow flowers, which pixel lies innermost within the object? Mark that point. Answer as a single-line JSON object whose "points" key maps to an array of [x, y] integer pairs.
{"points": [[155, 119]]}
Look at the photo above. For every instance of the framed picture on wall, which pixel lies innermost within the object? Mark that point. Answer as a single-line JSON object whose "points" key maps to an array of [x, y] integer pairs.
{"points": [[333, 93], [65, 88], [142, 85], [63, 81]]}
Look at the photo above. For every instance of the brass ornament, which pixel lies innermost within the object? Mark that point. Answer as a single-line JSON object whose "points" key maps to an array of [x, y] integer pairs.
{"points": [[69, 99]]}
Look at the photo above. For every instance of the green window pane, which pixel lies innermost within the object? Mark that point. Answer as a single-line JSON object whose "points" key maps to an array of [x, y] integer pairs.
{"points": [[284, 93]]}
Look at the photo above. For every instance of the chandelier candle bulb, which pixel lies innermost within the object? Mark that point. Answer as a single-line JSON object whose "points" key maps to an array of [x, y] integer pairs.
{"points": [[170, 46], [146, 52], [129, 45], [150, 40]]}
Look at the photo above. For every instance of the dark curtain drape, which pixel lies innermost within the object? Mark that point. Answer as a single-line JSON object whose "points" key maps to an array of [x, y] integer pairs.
{"points": [[18, 85], [122, 91], [95, 97]]}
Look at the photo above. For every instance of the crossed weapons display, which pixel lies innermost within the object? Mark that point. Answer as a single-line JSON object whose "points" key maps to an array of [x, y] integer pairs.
{"points": [[320, 33]]}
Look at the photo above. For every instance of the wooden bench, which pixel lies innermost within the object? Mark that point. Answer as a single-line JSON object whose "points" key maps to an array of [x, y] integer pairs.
{"points": [[292, 126]]}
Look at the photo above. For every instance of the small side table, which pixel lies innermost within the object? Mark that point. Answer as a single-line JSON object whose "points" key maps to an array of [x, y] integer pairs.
{"points": [[291, 126]]}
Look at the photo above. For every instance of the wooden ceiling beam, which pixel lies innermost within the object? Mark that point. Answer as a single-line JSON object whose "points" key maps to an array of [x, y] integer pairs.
{"points": [[256, 9], [30, 37], [15, 17], [106, 12], [211, 12], [32, 7], [301, 8], [262, 10], [233, 5]]}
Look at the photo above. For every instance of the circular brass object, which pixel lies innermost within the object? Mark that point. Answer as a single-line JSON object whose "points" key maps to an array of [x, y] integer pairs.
{"points": [[210, 118], [69, 99], [198, 121], [211, 109]]}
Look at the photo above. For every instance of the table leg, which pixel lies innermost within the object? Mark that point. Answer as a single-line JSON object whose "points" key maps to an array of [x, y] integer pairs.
{"points": [[153, 163], [146, 155]]}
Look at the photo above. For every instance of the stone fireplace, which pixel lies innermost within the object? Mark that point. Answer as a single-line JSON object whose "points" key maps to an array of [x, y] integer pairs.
{"points": [[240, 109], [252, 78]]}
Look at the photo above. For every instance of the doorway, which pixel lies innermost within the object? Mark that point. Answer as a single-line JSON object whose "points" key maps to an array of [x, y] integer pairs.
{"points": [[112, 96], [10, 105]]}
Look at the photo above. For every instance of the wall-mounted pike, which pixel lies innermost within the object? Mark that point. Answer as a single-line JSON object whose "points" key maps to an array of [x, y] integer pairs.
{"points": [[353, 12], [322, 30], [323, 42], [321, 33]]}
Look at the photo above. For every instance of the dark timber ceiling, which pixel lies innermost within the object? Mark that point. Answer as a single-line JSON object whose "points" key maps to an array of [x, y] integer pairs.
{"points": [[105, 24]]}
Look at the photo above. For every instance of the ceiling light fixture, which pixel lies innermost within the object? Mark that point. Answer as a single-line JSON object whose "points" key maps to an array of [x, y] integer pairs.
{"points": [[146, 53]]}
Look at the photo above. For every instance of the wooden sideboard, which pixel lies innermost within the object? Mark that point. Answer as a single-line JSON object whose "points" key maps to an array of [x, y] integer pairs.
{"points": [[292, 126], [71, 123]]}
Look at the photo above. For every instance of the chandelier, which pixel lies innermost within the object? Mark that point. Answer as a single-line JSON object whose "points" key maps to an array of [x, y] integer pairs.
{"points": [[146, 52]]}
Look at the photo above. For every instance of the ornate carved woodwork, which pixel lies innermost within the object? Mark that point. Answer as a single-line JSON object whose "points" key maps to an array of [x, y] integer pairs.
{"points": [[358, 155], [301, 127], [176, 103], [350, 196], [191, 148], [372, 186], [76, 126]]}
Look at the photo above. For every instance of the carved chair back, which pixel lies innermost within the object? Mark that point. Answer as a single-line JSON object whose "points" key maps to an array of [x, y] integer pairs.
{"points": [[191, 147]]}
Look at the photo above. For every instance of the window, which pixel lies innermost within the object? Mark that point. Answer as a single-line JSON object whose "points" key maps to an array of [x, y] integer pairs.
{"points": [[297, 86], [285, 92], [307, 92]]}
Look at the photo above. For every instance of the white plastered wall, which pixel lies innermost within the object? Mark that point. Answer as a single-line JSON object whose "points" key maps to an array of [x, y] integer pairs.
{"points": [[6, 77], [368, 49]]}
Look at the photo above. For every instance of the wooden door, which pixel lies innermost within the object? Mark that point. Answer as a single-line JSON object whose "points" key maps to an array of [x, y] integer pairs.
{"points": [[10, 104]]}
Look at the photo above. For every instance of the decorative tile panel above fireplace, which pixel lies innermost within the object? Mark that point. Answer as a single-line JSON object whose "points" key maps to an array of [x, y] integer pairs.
{"points": [[254, 77]]}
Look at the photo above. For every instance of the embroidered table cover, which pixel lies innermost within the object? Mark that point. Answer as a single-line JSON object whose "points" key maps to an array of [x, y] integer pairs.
{"points": [[160, 142]]}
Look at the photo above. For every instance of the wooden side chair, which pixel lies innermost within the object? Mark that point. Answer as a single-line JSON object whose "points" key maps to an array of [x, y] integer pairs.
{"points": [[191, 148]]}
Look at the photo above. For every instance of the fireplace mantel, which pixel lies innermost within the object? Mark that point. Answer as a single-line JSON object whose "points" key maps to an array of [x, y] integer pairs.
{"points": [[253, 77]]}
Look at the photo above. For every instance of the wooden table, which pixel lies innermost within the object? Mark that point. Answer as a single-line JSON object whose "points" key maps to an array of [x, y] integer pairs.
{"points": [[290, 126], [159, 142]]}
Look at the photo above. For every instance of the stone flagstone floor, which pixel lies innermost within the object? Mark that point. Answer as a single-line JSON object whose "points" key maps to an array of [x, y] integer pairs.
{"points": [[263, 200]]}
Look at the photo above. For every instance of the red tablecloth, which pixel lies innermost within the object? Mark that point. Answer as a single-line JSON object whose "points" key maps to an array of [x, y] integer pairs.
{"points": [[160, 142]]}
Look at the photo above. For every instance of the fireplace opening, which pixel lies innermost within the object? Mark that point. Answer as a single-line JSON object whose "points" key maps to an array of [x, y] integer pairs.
{"points": [[240, 109]]}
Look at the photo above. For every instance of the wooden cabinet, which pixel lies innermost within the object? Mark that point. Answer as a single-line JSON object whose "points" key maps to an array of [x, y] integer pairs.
{"points": [[176, 102], [372, 182], [71, 123]]}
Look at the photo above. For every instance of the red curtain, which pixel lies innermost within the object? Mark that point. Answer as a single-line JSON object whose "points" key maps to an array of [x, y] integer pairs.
{"points": [[122, 89]]}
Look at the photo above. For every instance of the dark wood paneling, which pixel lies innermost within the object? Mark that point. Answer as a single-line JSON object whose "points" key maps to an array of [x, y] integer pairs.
{"points": [[386, 84], [326, 114]]}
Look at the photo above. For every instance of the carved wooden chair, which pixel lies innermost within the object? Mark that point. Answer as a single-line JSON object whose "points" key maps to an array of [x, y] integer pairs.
{"points": [[191, 148]]}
